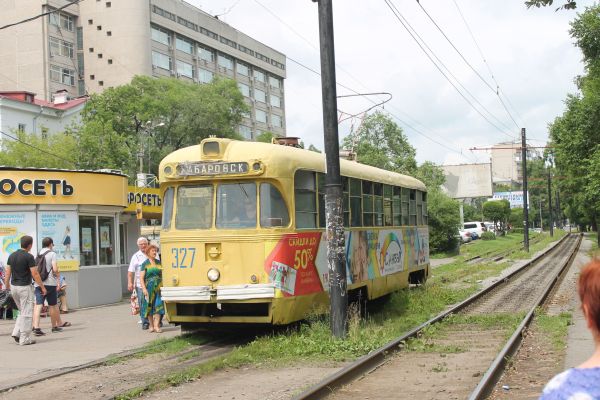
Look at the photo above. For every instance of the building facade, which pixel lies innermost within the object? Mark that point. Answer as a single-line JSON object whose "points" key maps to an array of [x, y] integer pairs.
{"points": [[22, 111], [92, 45], [506, 163]]}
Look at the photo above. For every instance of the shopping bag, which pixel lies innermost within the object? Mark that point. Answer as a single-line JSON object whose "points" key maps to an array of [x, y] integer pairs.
{"points": [[135, 306]]}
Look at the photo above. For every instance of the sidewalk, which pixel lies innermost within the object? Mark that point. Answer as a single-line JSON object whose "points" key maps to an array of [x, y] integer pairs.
{"points": [[95, 333]]}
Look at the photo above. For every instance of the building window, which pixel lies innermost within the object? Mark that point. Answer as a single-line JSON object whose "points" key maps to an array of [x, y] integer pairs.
{"points": [[99, 27], [205, 76], [108, 33], [243, 69], [274, 82], [185, 69], [59, 47], [100, 83], [161, 60], [97, 236], [245, 89], [276, 120], [261, 116], [275, 101], [91, 49], [44, 132], [92, 77], [61, 20], [246, 132], [228, 42], [206, 54], [184, 45], [187, 23], [245, 50], [62, 75], [161, 35], [225, 62], [163, 13], [110, 60], [21, 128], [208, 33], [88, 235], [90, 22], [79, 38], [99, 55], [262, 57], [108, 4], [259, 75], [259, 95]]}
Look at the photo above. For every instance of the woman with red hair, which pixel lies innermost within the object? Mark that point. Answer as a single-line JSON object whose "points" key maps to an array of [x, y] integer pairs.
{"points": [[582, 382]]}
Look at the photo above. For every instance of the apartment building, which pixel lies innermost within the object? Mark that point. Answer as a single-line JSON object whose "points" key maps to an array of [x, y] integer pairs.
{"points": [[96, 44], [506, 162]]}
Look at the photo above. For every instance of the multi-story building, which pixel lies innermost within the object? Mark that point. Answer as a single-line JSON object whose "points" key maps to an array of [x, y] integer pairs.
{"points": [[96, 44], [506, 162]]}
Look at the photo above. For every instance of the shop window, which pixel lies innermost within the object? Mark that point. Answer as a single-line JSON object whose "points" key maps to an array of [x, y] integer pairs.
{"points": [[106, 230], [122, 244], [87, 235]]}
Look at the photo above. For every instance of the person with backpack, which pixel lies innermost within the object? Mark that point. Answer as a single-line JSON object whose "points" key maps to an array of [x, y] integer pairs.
{"points": [[48, 269], [22, 269]]}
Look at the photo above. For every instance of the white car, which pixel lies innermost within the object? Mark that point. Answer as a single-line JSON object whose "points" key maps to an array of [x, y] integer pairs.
{"points": [[475, 227], [465, 237]]}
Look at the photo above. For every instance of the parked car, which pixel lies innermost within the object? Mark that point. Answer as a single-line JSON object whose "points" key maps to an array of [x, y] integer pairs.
{"points": [[490, 226], [475, 227], [465, 237]]}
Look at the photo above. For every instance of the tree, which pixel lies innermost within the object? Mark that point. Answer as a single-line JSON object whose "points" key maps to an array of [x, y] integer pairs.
{"points": [[29, 150], [266, 137], [497, 211], [313, 148], [569, 5], [431, 175], [380, 142], [444, 221], [155, 116]]}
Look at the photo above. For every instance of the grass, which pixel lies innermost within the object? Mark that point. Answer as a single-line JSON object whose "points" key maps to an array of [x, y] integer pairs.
{"points": [[594, 252], [555, 327], [311, 340]]}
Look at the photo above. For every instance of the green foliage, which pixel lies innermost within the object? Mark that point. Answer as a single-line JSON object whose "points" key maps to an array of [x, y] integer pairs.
{"points": [[556, 326], [158, 115], [266, 137], [431, 175], [38, 153], [471, 213], [381, 143], [516, 218], [518, 231], [569, 5], [497, 211], [444, 221], [488, 236], [313, 148]]}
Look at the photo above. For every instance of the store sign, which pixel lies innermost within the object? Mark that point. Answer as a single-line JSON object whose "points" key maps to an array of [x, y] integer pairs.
{"points": [[212, 168], [36, 187], [148, 199]]}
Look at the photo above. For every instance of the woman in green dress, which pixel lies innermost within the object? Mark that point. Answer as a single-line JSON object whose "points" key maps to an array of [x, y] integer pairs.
{"points": [[151, 281]]}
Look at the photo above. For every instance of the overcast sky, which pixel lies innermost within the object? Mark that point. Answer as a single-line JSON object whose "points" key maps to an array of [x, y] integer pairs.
{"points": [[529, 52]]}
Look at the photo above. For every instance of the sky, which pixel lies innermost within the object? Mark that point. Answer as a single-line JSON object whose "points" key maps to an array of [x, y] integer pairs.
{"points": [[528, 54]]}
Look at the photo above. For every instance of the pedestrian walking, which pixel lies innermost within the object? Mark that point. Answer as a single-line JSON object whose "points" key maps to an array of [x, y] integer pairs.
{"points": [[22, 269], [582, 382], [133, 276], [151, 279]]}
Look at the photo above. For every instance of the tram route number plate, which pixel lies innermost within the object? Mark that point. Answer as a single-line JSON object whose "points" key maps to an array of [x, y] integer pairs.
{"points": [[212, 168]]}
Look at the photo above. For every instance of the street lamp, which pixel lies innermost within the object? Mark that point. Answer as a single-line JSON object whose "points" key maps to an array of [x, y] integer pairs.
{"points": [[141, 179]]}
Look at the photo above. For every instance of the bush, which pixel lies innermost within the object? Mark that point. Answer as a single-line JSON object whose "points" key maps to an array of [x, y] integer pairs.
{"points": [[517, 230], [488, 236]]}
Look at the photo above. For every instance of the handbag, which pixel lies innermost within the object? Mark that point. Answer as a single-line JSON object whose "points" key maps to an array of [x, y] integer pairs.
{"points": [[135, 305]]}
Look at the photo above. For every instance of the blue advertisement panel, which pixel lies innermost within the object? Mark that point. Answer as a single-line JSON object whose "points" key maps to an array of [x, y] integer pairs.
{"points": [[14, 225], [514, 198], [63, 228]]}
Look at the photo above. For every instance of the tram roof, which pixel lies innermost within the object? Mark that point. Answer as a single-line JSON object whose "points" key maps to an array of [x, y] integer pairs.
{"points": [[289, 159]]}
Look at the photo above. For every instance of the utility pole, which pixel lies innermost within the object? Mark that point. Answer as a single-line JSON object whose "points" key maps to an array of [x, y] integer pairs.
{"points": [[525, 209], [336, 257], [550, 204], [541, 218]]}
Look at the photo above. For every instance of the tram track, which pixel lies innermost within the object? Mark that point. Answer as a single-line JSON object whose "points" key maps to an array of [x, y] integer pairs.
{"points": [[479, 352]]}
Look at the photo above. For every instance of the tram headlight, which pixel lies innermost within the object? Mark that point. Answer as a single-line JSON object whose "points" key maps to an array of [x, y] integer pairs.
{"points": [[256, 166], [168, 170], [213, 274]]}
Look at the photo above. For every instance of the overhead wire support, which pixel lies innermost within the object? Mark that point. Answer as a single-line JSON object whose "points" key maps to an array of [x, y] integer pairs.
{"points": [[381, 103], [410, 31], [41, 15]]}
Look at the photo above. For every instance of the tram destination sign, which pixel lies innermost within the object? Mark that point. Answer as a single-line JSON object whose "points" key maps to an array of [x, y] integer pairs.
{"points": [[212, 168]]}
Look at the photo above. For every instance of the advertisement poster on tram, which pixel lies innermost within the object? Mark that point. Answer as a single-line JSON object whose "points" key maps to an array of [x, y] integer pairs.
{"points": [[14, 225], [62, 227]]}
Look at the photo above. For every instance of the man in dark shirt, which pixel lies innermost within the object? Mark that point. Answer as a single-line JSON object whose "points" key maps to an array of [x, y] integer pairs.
{"points": [[21, 266]]}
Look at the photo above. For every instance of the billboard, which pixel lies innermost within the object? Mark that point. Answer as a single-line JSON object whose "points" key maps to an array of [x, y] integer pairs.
{"points": [[514, 198], [468, 180]]}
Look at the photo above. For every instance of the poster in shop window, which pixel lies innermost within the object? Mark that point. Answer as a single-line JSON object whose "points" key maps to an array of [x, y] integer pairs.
{"points": [[104, 237], [86, 239], [62, 227], [14, 225]]}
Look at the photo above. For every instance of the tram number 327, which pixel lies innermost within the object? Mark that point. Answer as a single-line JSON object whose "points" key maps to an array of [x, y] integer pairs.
{"points": [[183, 257]]}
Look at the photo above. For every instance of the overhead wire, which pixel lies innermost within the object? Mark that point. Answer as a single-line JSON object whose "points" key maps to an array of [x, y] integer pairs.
{"points": [[402, 121], [498, 89], [404, 22], [37, 148]]}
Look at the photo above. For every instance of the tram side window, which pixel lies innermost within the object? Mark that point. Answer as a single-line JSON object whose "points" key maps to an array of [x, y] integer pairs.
{"points": [[167, 208], [367, 188], [425, 213], [412, 208], [321, 194], [273, 211], [355, 203], [236, 205], [405, 196], [396, 206], [305, 199], [419, 208], [378, 204], [346, 191], [387, 205], [194, 207]]}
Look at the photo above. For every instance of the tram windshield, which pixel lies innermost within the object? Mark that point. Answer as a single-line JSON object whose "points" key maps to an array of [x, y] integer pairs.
{"points": [[237, 206]]}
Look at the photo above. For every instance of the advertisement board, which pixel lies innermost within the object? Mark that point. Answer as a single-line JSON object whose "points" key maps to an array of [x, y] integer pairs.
{"points": [[514, 198], [14, 225], [63, 228], [468, 180]]}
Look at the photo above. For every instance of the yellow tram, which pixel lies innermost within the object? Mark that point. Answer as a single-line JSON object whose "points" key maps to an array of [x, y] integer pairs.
{"points": [[243, 239]]}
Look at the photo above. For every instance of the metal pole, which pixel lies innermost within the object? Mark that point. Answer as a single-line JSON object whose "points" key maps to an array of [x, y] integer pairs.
{"points": [[550, 204], [541, 219], [336, 257], [525, 203]]}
